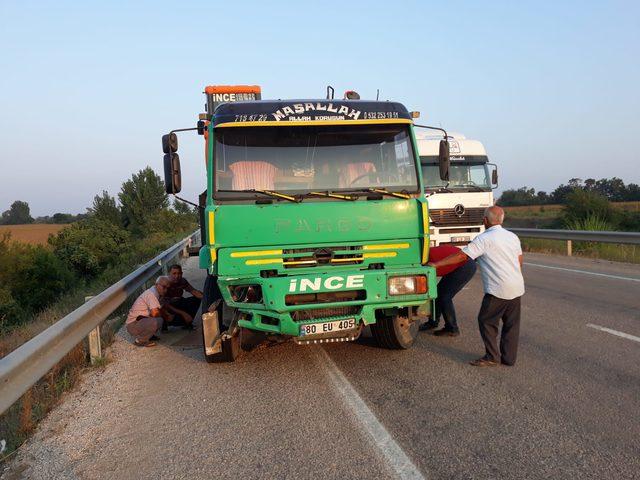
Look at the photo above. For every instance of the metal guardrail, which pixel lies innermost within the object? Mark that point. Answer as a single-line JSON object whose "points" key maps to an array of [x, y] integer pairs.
{"points": [[631, 238], [23, 367]]}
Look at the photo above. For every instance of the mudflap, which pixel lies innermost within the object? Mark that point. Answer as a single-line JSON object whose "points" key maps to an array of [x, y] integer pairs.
{"points": [[219, 346]]}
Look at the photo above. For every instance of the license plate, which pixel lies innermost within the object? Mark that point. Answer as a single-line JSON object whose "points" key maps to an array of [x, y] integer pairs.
{"points": [[327, 327], [460, 239]]}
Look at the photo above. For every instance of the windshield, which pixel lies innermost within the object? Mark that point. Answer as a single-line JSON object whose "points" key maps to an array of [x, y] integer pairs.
{"points": [[295, 159], [462, 175]]}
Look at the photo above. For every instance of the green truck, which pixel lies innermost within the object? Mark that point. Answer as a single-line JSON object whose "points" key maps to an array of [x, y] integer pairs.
{"points": [[314, 221]]}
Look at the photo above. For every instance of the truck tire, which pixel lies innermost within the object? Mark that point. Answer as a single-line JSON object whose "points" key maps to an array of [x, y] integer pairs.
{"points": [[210, 292], [394, 332]]}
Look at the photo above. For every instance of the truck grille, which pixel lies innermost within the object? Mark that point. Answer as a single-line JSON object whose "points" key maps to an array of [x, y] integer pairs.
{"points": [[313, 313], [311, 257], [446, 216]]}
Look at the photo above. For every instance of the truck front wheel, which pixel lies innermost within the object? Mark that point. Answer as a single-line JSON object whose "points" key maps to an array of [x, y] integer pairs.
{"points": [[395, 331]]}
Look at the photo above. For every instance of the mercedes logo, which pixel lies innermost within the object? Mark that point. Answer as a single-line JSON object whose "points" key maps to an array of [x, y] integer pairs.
{"points": [[459, 210]]}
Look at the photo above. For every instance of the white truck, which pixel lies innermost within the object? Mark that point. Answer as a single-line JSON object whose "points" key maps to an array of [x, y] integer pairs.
{"points": [[456, 206]]}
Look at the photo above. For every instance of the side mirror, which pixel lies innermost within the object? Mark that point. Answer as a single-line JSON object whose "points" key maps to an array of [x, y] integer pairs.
{"points": [[172, 175], [494, 174], [443, 160], [170, 143]]}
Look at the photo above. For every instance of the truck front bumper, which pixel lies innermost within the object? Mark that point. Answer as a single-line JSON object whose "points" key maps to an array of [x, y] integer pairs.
{"points": [[278, 313]]}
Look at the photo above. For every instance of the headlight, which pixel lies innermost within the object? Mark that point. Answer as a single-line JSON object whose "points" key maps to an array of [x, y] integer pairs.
{"points": [[246, 293], [407, 285]]}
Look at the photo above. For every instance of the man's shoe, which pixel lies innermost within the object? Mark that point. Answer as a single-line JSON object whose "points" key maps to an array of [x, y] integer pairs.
{"points": [[447, 332], [483, 362], [429, 325]]}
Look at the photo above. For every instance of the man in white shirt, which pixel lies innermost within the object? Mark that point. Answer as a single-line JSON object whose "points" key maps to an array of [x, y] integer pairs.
{"points": [[144, 318], [499, 255]]}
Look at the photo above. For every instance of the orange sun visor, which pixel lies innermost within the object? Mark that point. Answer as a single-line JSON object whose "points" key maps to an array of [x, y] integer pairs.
{"points": [[232, 89]]}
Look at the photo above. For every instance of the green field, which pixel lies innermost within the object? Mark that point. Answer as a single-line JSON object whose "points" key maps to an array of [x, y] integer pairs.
{"points": [[550, 216]]}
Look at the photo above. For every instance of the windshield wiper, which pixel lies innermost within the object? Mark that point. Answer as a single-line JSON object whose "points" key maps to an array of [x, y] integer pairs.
{"points": [[270, 193], [384, 191], [328, 193]]}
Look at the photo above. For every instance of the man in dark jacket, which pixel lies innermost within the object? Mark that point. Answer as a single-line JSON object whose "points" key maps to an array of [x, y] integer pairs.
{"points": [[180, 310], [454, 278]]}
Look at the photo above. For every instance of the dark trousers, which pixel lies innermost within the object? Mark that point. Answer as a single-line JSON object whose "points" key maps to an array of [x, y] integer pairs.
{"points": [[448, 287], [186, 304], [493, 310]]}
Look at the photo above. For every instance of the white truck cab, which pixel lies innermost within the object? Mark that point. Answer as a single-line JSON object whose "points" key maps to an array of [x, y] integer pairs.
{"points": [[456, 206]]}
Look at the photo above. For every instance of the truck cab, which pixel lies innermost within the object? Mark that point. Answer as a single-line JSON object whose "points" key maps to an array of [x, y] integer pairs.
{"points": [[456, 206], [315, 223]]}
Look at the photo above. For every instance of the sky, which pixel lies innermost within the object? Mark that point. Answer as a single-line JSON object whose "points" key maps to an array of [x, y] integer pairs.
{"points": [[88, 88]]}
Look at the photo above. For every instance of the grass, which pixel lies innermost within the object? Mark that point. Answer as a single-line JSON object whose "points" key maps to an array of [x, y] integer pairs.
{"points": [[603, 251], [35, 233], [549, 216]]}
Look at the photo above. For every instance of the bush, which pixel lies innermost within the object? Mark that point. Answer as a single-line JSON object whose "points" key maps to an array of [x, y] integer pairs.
{"points": [[583, 204], [91, 245], [42, 279], [592, 223], [31, 278], [629, 221]]}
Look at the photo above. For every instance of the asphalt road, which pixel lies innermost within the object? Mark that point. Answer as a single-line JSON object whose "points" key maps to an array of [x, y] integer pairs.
{"points": [[570, 408]]}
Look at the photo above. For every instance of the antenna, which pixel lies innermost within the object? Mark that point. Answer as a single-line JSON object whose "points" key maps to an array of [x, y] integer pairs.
{"points": [[330, 88], [377, 95]]}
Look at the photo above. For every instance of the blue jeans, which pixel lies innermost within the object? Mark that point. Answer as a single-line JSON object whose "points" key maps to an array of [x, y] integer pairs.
{"points": [[448, 287]]}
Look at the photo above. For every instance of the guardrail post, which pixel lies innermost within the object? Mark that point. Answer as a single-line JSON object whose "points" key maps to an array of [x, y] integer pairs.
{"points": [[95, 345], [569, 248]]}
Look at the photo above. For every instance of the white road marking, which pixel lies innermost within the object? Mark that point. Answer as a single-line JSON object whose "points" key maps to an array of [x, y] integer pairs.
{"points": [[617, 277], [615, 332], [395, 456]]}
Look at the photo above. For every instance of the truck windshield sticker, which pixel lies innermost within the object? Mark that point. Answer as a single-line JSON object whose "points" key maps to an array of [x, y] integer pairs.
{"points": [[315, 111], [308, 111]]}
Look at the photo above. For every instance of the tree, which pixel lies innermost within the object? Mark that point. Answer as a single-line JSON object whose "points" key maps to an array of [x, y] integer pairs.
{"points": [[521, 196], [63, 218], [575, 182], [141, 198], [186, 211], [633, 192], [542, 198], [614, 189], [18, 214], [589, 184], [104, 208], [559, 195]]}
